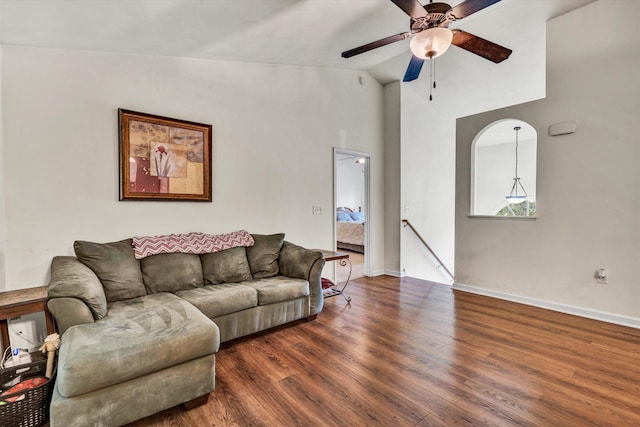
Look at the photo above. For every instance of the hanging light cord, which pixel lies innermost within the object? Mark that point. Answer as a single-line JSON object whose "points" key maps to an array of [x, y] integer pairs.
{"points": [[516, 179], [517, 128]]}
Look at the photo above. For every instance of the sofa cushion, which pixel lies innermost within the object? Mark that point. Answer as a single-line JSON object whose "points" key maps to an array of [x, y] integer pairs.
{"points": [[218, 300], [115, 265], [279, 288], [171, 272], [137, 337], [230, 265], [263, 255]]}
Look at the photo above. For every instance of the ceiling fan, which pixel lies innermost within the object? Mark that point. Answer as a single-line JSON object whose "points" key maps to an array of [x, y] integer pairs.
{"points": [[432, 37]]}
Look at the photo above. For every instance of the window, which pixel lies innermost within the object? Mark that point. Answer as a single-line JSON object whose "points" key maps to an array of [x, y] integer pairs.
{"points": [[526, 208]]}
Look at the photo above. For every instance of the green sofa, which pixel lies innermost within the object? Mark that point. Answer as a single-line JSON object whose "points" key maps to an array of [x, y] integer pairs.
{"points": [[140, 336]]}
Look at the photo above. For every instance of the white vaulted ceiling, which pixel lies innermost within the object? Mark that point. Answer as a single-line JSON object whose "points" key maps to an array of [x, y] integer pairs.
{"points": [[294, 32]]}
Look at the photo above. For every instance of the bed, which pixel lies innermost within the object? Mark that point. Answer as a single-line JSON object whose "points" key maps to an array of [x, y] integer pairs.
{"points": [[350, 230]]}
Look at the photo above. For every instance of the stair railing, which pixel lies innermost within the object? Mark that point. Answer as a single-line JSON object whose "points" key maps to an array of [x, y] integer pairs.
{"points": [[426, 245]]}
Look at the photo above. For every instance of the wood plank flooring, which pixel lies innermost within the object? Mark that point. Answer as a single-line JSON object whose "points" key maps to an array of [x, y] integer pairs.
{"points": [[414, 353], [357, 267]]}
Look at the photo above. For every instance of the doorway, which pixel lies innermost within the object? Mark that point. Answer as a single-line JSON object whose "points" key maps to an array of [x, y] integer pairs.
{"points": [[352, 211]]}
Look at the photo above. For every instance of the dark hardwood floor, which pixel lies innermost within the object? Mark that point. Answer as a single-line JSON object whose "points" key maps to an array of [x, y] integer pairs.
{"points": [[414, 353]]}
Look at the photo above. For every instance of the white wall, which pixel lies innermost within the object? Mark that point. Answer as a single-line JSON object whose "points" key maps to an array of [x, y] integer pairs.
{"points": [[350, 191], [392, 177], [588, 204], [428, 191], [2, 206], [60, 145], [429, 129]]}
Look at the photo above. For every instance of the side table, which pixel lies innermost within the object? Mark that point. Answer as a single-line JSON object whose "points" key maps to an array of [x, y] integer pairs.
{"points": [[19, 302], [343, 259]]}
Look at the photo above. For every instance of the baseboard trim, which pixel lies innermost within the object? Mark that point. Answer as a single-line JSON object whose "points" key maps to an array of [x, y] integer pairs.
{"points": [[376, 273], [393, 273], [617, 319]]}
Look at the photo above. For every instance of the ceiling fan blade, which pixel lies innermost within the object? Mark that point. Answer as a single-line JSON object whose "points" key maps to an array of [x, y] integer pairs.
{"points": [[413, 8], [469, 7], [373, 45], [413, 70], [484, 48]]}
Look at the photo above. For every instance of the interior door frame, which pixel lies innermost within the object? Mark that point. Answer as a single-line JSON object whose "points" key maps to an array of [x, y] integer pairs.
{"points": [[337, 151]]}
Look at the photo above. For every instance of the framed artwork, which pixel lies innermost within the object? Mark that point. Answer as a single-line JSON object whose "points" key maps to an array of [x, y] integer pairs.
{"points": [[163, 158]]}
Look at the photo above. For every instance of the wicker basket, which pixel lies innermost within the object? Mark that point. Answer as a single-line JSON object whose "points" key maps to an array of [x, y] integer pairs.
{"points": [[33, 410]]}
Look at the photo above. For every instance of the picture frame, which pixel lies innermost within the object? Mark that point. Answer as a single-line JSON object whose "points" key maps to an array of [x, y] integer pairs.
{"points": [[163, 158]]}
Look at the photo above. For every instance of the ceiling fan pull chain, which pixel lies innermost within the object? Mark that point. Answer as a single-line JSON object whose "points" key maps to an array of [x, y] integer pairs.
{"points": [[434, 73], [432, 82]]}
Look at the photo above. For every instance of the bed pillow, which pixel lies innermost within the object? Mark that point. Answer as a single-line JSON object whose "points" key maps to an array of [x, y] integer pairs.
{"points": [[263, 255], [357, 216], [115, 265], [343, 217]]}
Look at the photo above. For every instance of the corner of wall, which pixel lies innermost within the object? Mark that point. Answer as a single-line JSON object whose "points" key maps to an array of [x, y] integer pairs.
{"points": [[586, 220], [2, 216], [392, 175]]}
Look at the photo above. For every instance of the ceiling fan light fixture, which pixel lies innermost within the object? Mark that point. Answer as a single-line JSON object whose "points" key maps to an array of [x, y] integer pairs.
{"points": [[431, 43]]}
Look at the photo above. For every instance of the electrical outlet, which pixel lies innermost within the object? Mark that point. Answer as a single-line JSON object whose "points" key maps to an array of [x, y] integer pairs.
{"points": [[317, 210]]}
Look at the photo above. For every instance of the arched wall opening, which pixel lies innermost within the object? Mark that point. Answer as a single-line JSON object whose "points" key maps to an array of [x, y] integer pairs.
{"points": [[499, 156]]}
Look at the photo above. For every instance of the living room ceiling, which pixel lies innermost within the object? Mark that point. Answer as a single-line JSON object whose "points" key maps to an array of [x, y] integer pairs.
{"points": [[294, 32]]}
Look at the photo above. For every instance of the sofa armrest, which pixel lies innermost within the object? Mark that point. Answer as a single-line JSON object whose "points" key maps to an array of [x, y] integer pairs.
{"points": [[301, 263], [69, 312], [71, 279]]}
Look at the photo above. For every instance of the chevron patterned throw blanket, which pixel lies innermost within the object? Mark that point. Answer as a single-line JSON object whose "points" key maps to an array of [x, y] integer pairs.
{"points": [[189, 243]]}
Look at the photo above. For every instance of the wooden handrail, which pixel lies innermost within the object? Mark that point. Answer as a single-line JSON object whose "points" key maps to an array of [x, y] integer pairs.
{"points": [[426, 245]]}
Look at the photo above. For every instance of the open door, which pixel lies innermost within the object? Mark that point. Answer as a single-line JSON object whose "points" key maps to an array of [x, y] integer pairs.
{"points": [[352, 208]]}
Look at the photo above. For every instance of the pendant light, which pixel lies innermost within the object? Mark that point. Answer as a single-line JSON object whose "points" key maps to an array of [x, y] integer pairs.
{"points": [[514, 197]]}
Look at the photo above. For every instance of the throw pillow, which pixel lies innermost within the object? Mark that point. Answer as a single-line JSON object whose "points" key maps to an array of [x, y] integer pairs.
{"points": [[171, 272], [263, 255], [230, 265], [115, 265]]}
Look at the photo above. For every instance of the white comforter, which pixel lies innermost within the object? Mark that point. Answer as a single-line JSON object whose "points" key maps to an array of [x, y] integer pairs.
{"points": [[350, 232]]}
